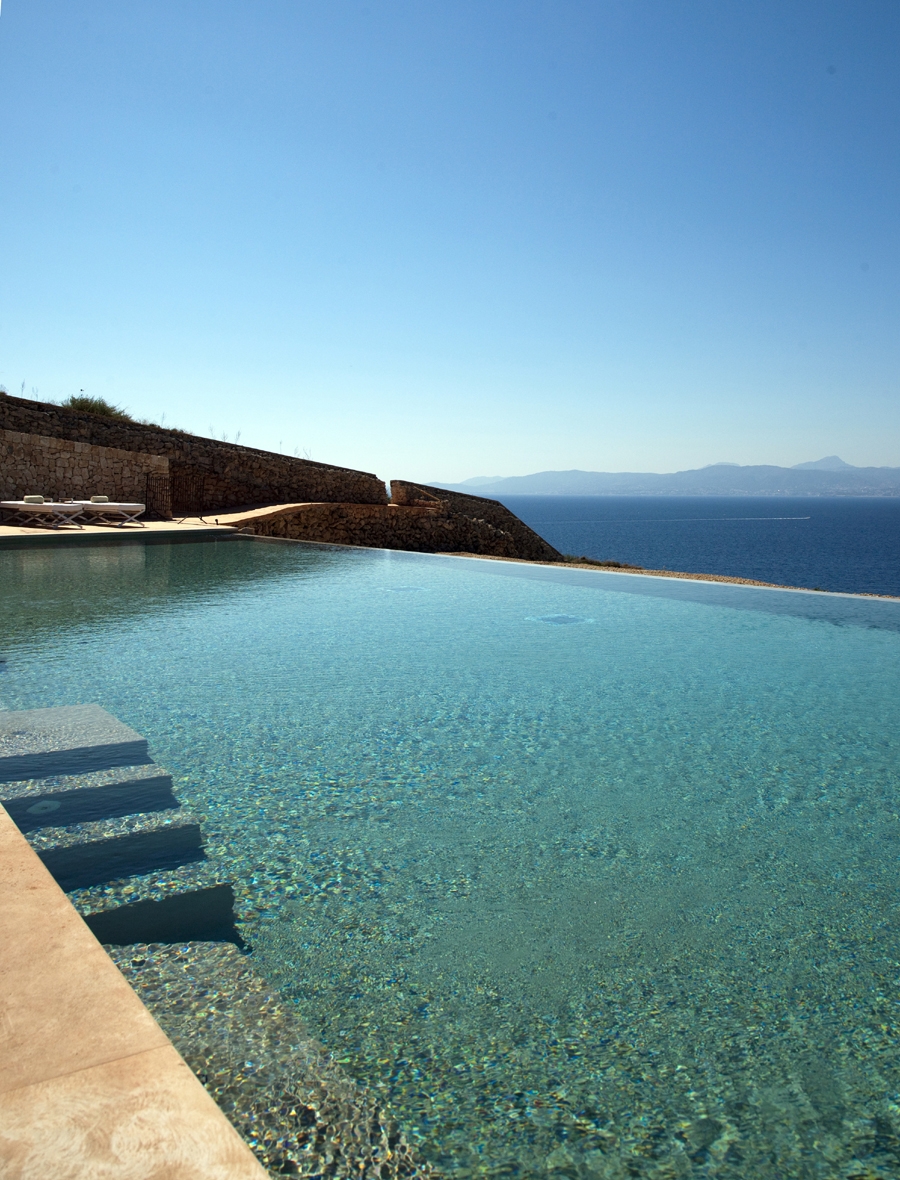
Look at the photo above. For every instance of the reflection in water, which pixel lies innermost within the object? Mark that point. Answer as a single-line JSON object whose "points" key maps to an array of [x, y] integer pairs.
{"points": [[73, 586]]}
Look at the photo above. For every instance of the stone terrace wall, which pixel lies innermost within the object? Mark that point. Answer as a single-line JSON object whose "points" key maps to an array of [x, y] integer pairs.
{"points": [[33, 464], [413, 528], [528, 544], [234, 476]]}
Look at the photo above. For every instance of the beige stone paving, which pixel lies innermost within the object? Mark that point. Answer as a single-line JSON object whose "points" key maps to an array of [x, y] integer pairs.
{"points": [[177, 528], [250, 515], [236, 519], [90, 1086]]}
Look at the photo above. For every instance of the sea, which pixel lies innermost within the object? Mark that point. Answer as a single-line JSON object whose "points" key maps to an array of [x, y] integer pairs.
{"points": [[842, 543]]}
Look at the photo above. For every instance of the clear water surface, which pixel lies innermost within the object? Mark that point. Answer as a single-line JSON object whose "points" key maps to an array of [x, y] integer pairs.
{"points": [[586, 875]]}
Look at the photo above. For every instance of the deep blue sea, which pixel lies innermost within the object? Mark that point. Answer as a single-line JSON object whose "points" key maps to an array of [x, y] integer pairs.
{"points": [[849, 543]]}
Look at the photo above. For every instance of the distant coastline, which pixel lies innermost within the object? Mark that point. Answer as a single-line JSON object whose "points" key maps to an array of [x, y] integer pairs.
{"points": [[824, 477], [849, 544]]}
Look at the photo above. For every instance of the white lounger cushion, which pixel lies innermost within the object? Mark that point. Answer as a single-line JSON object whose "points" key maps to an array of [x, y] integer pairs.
{"points": [[42, 506], [110, 506]]}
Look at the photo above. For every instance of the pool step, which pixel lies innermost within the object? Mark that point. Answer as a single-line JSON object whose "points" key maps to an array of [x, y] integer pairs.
{"points": [[103, 826], [43, 839], [153, 886], [104, 819], [200, 915], [71, 739], [81, 805], [77, 866]]}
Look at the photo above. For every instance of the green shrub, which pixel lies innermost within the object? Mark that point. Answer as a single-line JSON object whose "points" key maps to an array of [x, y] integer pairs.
{"points": [[95, 405]]}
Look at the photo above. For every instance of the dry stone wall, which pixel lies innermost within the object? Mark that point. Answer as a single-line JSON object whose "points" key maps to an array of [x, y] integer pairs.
{"points": [[527, 543], [411, 527], [56, 451], [33, 464], [233, 476]]}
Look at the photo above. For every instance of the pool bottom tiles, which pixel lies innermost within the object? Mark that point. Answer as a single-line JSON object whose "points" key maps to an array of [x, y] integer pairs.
{"points": [[607, 1011]]}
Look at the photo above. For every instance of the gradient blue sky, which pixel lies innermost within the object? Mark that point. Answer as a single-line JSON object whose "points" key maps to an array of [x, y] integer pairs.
{"points": [[442, 239]]}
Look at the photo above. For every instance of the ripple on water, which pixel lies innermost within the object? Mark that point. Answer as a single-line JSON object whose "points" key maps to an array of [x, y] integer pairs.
{"points": [[608, 901]]}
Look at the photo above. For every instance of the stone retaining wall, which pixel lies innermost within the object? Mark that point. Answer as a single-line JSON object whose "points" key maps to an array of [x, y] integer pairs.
{"points": [[32, 464], [414, 528], [234, 476], [527, 543], [420, 518]]}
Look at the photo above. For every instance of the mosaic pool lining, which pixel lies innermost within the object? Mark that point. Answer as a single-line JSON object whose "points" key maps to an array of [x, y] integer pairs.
{"points": [[298, 1111], [604, 899]]}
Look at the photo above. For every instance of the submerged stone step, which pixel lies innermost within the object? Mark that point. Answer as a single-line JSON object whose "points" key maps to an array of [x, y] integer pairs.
{"points": [[153, 886], [71, 739], [59, 809], [201, 915], [45, 839], [51, 783], [79, 865]]}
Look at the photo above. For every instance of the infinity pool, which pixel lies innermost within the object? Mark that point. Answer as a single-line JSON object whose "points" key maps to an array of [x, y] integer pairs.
{"points": [[584, 874]]}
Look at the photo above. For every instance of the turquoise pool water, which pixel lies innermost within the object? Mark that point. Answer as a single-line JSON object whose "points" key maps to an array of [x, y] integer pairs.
{"points": [[587, 875]]}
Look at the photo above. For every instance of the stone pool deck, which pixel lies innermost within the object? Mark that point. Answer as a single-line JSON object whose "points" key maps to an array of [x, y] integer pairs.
{"points": [[90, 1085], [191, 529]]}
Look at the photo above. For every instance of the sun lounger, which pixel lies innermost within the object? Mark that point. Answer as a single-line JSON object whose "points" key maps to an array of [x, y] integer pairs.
{"points": [[43, 513], [99, 510]]}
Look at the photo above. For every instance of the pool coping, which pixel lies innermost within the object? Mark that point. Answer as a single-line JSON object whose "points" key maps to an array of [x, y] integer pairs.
{"points": [[87, 1076]]}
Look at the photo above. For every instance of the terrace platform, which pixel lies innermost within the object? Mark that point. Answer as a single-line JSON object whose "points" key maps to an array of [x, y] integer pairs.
{"points": [[190, 529]]}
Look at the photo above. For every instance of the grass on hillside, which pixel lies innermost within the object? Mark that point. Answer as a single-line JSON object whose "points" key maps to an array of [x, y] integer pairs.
{"points": [[95, 405], [99, 405]]}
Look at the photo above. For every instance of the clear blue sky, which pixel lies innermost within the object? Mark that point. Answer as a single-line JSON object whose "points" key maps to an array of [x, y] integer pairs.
{"points": [[446, 238]]}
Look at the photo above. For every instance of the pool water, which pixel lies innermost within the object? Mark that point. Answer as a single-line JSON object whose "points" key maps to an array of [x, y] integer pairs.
{"points": [[584, 874]]}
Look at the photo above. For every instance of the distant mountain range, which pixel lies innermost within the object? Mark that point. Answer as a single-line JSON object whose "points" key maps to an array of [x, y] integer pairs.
{"points": [[823, 477]]}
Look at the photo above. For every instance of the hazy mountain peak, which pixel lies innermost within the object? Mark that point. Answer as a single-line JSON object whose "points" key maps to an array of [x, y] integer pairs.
{"points": [[829, 463], [825, 477]]}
